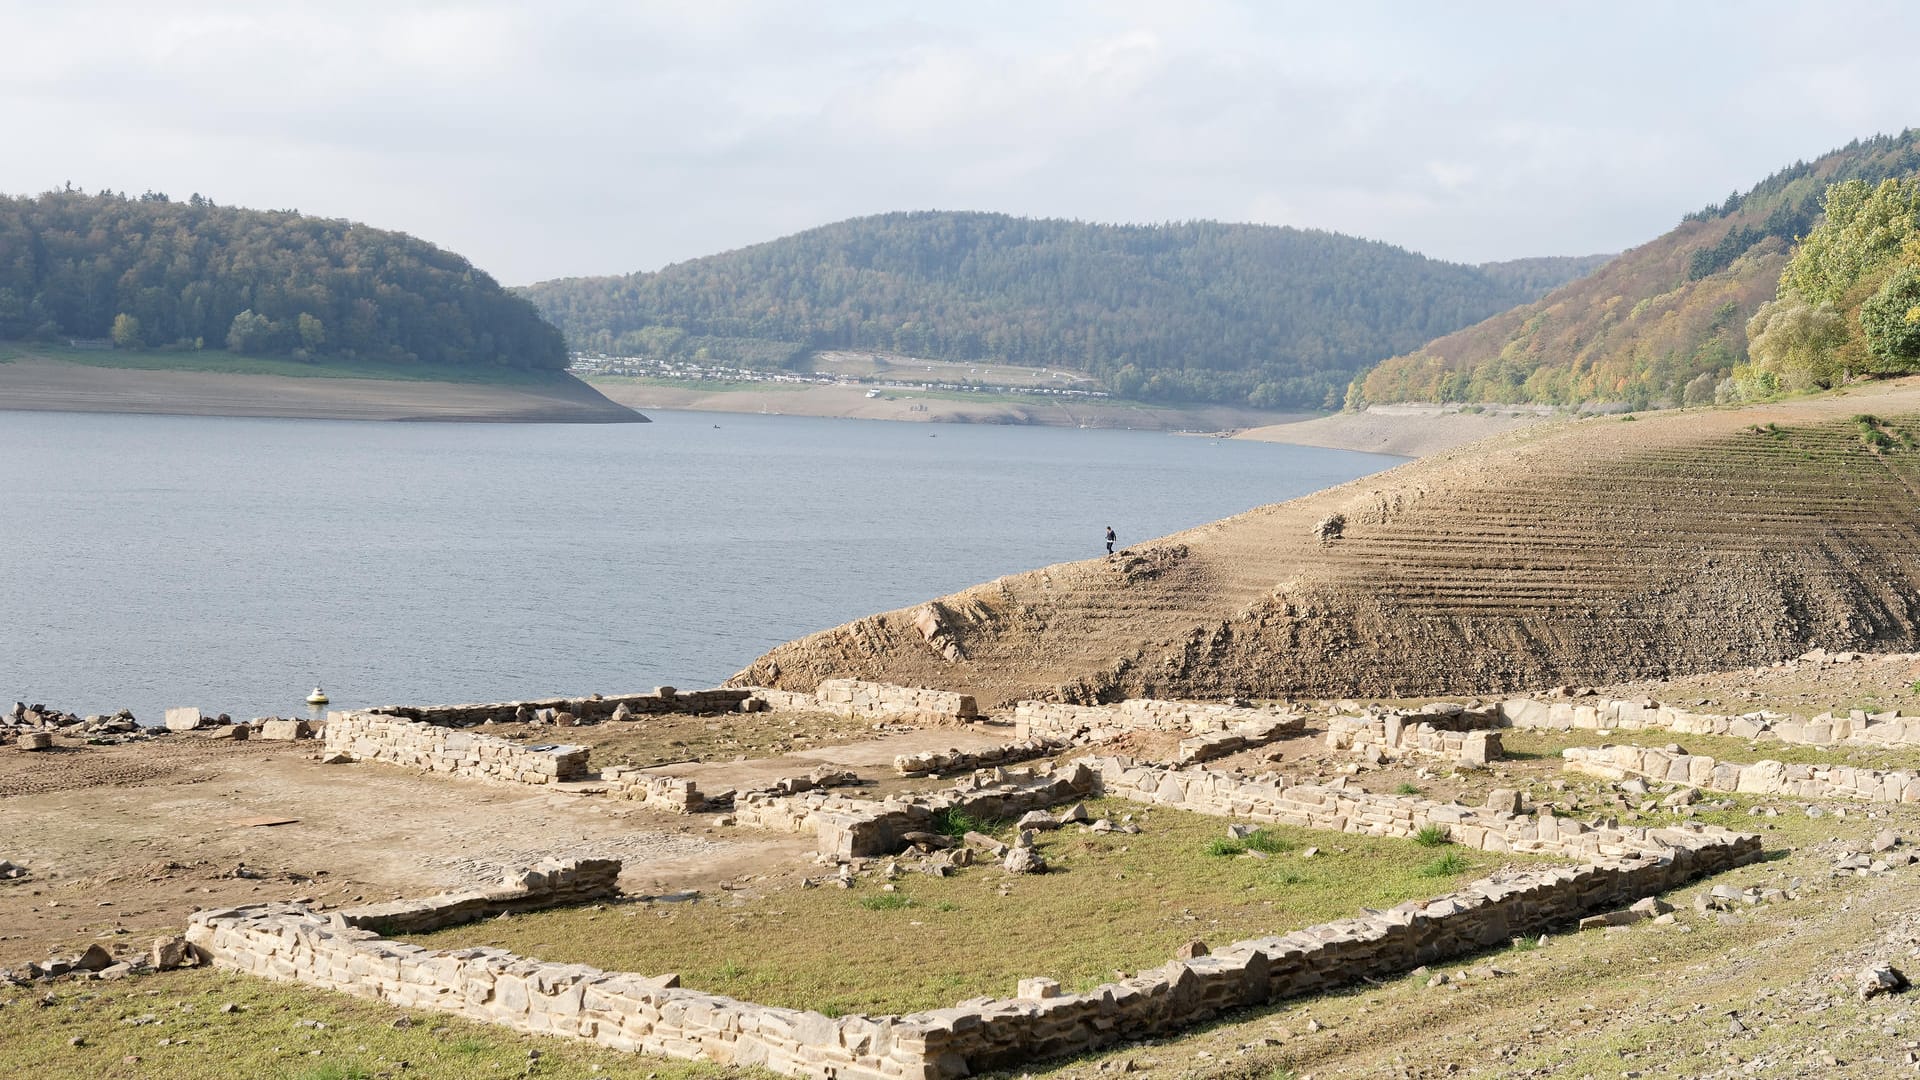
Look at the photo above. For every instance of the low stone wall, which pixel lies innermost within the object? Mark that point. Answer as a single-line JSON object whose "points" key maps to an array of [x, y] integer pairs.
{"points": [[372, 736], [1395, 735], [1098, 723], [591, 709], [673, 793], [1759, 778], [626, 1012], [1857, 727], [547, 884], [934, 762], [1342, 809], [847, 827], [885, 701], [630, 1012]]}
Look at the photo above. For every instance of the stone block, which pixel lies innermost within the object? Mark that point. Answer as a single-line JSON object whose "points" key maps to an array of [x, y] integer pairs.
{"points": [[183, 718], [36, 740], [285, 729]]}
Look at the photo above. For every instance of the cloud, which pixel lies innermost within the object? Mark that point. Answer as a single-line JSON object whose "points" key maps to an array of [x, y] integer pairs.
{"points": [[582, 138]]}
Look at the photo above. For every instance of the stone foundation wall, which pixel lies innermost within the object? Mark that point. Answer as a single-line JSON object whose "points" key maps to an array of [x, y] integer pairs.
{"points": [[1857, 727], [884, 701], [1395, 735], [1098, 723], [934, 762], [1341, 809], [592, 709], [625, 1012], [672, 793], [547, 884], [848, 827], [631, 1012], [372, 736], [1759, 778]]}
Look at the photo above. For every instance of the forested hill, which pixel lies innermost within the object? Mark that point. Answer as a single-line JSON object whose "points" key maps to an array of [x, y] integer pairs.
{"points": [[154, 273], [1199, 311], [1663, 324]]}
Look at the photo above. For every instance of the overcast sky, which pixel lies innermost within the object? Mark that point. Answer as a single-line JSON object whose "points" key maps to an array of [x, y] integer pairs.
{"points": [[553, 139]]}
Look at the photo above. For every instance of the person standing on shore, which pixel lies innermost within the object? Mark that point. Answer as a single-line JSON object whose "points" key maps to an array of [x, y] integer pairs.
{"points": [[1110, 539]]}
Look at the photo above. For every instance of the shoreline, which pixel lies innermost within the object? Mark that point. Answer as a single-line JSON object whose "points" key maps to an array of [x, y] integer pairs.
{"points": [[851, 403], [47, 385], [1409, 431]]}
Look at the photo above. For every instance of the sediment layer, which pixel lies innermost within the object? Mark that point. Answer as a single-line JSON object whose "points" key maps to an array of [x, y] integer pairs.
{"points": [[1589, 552]]}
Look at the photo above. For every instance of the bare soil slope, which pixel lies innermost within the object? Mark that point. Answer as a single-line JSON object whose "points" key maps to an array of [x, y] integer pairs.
{"points": [[1589, 552], [67, 387]]}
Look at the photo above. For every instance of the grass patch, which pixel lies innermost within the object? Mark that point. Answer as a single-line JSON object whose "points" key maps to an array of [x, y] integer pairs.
{"points": [[1447, 865], [1265, 841], [126, 1019], [1112, 901], [956, 821], [886, 901], [1432, 836], [1405, 788]]}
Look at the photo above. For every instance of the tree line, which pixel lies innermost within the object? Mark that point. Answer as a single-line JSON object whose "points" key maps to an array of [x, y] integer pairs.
{"points": [[1674, 321], [1194, 311], [152, 272]]}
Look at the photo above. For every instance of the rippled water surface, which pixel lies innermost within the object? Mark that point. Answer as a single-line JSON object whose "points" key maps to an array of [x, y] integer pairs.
{"points": [[148, 561]]}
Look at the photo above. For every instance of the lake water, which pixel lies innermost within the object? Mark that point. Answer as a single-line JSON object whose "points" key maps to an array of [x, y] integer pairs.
{"points": [[148, 561]]}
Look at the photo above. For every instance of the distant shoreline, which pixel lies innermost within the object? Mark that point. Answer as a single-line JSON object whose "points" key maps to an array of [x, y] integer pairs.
{"points": [[851, 402], [35, 384], [1410, 431]]}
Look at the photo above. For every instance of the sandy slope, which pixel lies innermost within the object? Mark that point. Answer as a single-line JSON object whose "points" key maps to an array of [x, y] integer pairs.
{"points": [[1406, 430], [852, 402], [67, 387], [1585, 552]]}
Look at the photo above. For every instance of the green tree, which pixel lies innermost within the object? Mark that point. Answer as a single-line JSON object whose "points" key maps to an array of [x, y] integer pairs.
{"points": [[249, 332], [313, 333], [1796, 341], [126, 331], [1891, 319]]}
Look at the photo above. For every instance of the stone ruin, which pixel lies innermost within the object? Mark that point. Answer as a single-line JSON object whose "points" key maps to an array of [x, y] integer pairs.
{"points": [[654, 1014]]}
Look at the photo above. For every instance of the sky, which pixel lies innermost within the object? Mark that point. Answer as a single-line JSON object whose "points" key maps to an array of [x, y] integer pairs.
{"points": [[556, 139]]}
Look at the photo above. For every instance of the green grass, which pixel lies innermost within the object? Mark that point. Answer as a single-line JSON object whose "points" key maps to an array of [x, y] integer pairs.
{"points": [[1112, 901], [956, 821], [1407, 789], [1432, 836], [1448, 865], [128, 1019], [213, 360]]}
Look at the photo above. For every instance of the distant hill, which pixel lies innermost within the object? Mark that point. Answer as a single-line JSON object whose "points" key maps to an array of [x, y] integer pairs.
{"points": [[152, 273], [1199, 311], [1663, 324]]}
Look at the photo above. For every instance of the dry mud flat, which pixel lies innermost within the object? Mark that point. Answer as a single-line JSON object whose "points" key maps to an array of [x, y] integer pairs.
{"points": [[851, 402], [42, 385]]}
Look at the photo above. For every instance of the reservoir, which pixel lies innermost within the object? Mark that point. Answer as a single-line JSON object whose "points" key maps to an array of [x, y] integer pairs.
{"points": [[233, 564]]}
